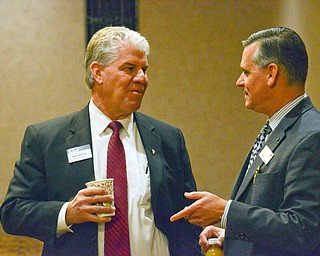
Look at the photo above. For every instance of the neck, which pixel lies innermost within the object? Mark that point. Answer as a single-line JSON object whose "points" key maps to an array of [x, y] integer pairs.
{"points": [[284, 98], [109, 112]]}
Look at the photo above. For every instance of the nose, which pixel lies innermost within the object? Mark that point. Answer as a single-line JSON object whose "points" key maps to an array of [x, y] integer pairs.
{"points": [[240, 81], [141, 76]]}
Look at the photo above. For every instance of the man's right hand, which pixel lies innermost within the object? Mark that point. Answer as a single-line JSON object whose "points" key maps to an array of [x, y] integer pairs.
{"points": [[84, 206]]}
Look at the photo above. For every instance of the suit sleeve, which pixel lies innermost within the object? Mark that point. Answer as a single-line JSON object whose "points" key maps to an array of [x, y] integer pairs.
{"points": [[186, 231], [294, 186], [26, 210]]}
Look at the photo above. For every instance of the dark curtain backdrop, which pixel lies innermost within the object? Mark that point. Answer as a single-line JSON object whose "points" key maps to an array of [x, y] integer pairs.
{"points": [[101, 13]]}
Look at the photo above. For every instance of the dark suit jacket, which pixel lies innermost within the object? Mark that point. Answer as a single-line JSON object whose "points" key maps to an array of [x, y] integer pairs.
{"points": [[279, 213], [43, 180]]}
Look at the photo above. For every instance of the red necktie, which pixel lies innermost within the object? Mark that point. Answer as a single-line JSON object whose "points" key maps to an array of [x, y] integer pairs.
{"points": [[116, 238]]}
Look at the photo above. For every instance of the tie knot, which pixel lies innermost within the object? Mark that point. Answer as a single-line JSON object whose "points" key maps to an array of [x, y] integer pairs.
{"points": [[115, 126], [266, 129]]}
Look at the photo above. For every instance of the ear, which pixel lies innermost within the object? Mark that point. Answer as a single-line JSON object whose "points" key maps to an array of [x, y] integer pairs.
{"points": [[96, 69], [272, 75]]}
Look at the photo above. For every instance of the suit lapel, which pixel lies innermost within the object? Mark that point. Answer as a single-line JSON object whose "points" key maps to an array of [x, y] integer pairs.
{"points": [[152, 145], [276, 137], [81, 135], [246, 178]]}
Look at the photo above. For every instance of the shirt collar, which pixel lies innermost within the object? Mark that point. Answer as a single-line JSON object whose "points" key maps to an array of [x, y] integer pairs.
{"points": [[100, 121], [281, 113]]}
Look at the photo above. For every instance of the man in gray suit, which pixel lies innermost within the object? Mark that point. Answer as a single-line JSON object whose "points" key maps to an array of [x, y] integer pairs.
{"points": [[47, 198], [274, 207]]}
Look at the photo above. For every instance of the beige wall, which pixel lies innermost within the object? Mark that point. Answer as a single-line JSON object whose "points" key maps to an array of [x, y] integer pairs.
{"points": [[194, 63], [42, 47]]}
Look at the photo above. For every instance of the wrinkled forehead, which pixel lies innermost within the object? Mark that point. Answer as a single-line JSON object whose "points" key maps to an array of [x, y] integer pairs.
{"points": [[131, 54]]}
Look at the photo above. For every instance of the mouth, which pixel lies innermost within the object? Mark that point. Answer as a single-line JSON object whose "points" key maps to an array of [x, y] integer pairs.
{"points": [[137, 91]]}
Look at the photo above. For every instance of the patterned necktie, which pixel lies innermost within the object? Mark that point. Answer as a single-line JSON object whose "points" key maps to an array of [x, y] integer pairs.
{"points": [[116, 241], [259, 143]]}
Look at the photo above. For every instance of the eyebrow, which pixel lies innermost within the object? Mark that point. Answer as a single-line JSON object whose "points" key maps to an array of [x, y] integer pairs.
{"points": [[132, 65], [128, 64]]}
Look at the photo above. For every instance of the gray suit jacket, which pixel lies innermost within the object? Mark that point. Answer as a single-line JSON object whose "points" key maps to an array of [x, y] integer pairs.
{"points": [[277, 212], [44, 179]]}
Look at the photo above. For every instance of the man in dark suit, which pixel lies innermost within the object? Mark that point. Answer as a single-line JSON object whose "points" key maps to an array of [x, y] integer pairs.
{"points": [[274, 207], [47, 198]]}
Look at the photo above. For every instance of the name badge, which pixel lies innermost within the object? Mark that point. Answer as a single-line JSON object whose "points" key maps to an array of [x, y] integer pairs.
{"points": [[79, 153], [266, 154]]}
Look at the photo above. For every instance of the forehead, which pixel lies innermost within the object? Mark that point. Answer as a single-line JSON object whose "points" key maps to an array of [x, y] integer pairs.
{"points": [[130, 54], [247, 55]]}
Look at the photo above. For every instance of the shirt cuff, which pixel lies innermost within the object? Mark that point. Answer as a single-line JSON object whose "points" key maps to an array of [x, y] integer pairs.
{"points": [[62, 227], [224, 216]]}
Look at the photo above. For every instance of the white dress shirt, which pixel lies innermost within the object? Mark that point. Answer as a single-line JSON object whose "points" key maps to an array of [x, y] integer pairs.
{"points": [[145, 238]]}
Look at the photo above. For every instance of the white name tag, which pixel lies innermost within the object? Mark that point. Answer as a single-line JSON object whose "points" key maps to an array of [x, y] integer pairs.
{"points": [[266, 154], [79, 153]]}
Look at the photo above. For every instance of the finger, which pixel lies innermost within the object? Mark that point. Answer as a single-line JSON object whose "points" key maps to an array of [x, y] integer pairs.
{"points": [[106, 209], [204, 245], [197, 222], [220, 242], [104, 219], [207, 233], [95, 213], [96, 199], [194, 195], [97, 219], [81, 217], [98, 208], [182, 214], [94, 191], [200, 221], [106, 199]]}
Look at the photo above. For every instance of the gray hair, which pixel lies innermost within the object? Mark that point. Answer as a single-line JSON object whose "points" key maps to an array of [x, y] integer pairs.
{"points": [[283, 47], [105, 46]]}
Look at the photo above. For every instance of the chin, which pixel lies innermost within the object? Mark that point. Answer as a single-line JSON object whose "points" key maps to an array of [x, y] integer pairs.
{"points": [[134, 107], [248, 105]]}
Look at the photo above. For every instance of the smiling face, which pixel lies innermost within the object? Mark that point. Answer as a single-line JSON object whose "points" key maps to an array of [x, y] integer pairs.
{"points": [[254, 82], [120, 87]]}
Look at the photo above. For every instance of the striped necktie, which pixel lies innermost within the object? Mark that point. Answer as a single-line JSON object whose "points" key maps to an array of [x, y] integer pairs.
{"points": [[259, 143], [116, 241]]}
